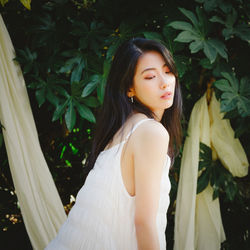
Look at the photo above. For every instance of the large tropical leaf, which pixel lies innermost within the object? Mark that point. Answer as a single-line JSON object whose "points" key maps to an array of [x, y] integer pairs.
{"points": [[235, 95], [196, 34]]}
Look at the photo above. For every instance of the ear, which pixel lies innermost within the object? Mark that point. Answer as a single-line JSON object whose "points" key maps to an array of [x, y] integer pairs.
{"points": [[131, 92]]}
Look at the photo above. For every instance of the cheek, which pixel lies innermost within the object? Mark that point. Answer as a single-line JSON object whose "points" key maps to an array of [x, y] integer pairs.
{"points": [[144, 93], [146, 90]]}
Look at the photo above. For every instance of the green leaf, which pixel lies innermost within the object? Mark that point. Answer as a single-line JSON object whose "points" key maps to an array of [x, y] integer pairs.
{"points": [[203, 164], [228, 104], [223, 85], [153, 35], [85, 112], [69, 65], [231, 190], [205, 63], [181, 64], [205, 156], [106, 68], [228, 95], [60, 110], [62, 91], [203, 181], [214, 180], [245, 86], [89, 88], [190, 15], [215, 193], [196, 46], [231, 18], [210, 5], [243, 32], [76, 89], [36, 85], [243, 106], [47, 25], [228, 33], [40, 96], [112, 48], [225, 7], [232, 79], [70, 116], [202, 22], [210, 52], [77, 72], [186, 37], [101, 90], [216, 19], [51, 97], [91, 101], [219, 46], [205, 152], [179, 25]]}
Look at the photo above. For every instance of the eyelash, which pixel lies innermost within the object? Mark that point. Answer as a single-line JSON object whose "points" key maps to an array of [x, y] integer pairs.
{"points": [[149, 78]]}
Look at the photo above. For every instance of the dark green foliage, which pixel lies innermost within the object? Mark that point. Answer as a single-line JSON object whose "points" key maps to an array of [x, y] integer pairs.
{"points": [[213, 173], [236, 95], [65, 49]]}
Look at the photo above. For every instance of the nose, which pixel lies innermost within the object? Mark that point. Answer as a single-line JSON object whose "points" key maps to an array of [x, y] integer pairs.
{"points": [[164, 82], [167, 80]]}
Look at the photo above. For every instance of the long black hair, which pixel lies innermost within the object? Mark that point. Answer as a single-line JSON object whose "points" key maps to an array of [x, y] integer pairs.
{"points": [[117, 107]]}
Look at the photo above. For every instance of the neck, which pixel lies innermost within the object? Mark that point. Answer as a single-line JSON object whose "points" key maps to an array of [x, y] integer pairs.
{"points": [[158, 115]]}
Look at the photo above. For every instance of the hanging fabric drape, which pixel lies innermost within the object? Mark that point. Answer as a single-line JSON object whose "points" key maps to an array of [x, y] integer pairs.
{"points": [[198, 224], [40, 204]]}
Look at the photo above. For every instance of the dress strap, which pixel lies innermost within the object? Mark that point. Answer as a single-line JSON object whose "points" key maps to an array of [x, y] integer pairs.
{"points": [[136, 126]]}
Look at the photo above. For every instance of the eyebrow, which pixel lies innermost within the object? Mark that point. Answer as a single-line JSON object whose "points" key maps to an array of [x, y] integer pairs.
{"points": [[147, 69]]}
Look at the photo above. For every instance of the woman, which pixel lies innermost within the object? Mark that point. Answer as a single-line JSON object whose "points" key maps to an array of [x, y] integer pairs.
{"points": [[124, 200]]}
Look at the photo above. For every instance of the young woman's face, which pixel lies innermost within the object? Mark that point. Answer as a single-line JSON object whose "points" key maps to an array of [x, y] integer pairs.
{"points": [[153, 84]]}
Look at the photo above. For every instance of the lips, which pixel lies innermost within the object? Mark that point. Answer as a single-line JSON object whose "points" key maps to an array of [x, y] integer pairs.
{"points": [[167, 94]]}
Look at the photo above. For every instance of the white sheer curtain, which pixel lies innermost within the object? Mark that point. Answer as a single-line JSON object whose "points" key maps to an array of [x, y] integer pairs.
{"points": [[198, 224], [40, 204]]}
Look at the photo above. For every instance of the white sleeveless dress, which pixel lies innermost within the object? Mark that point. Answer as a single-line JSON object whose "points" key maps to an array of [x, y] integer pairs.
{"points": [[103, 215]]}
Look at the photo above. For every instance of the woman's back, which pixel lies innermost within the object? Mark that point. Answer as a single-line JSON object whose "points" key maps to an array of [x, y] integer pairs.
{"points": [[103, 215]]}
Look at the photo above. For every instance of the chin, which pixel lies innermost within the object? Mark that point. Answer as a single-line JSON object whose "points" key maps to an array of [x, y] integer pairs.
{"points": [[168, 106]]}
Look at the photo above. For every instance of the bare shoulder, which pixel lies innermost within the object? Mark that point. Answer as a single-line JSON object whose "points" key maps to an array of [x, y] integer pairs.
{"points": [[155, 127], [150, 134], [152, 129]]}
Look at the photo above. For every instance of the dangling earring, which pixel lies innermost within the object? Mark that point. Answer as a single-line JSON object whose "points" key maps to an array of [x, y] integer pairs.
{"points": [[132, 99]]}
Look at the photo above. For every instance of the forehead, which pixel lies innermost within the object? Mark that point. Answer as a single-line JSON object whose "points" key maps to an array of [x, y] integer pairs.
{"points": [[150, 59]]}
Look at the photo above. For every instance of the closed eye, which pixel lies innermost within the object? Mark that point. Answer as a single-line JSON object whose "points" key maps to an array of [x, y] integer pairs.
{"points": [[168, 72], [149, 77]]}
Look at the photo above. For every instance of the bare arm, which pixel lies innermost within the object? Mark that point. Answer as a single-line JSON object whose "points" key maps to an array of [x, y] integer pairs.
{"points": [[150, 149]]}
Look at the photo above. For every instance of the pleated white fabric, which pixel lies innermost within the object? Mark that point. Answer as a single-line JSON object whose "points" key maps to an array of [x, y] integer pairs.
{"points": [[198, 223], [40, 204], [103, 215]]}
